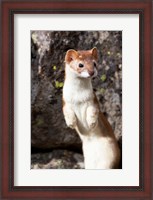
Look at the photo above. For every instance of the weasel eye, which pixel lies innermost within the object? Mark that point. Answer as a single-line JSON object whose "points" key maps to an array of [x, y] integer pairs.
{"points": [[95, 65], [81, 65]]}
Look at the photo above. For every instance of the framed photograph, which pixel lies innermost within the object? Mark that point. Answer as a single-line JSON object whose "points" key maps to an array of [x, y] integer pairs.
{"points": [[76, 99]]}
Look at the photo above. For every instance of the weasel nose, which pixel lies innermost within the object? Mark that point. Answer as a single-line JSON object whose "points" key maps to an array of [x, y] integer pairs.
{"points": [[91, 73]]}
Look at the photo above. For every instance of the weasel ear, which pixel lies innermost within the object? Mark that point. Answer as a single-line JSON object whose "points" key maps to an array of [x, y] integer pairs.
{"points": [[70, 55], [94, 53]]}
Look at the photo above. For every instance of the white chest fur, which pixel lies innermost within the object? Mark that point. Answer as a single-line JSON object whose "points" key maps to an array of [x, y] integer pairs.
{"points": [[78, 94]]}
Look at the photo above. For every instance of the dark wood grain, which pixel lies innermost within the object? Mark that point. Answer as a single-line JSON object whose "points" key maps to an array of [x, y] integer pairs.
{"points": [[9, 8]]}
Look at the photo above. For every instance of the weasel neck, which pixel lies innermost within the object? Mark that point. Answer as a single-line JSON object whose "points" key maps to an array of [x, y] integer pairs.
{"points": [[72, 78], [77, 89]]}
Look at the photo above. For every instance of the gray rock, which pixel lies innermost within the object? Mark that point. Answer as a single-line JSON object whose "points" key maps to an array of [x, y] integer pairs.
{"points": [[57, 159]]}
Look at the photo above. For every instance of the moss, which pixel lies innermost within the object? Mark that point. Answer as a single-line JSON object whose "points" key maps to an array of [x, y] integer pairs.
{"points": [[59, 84], [54, 68], [103, 77]]}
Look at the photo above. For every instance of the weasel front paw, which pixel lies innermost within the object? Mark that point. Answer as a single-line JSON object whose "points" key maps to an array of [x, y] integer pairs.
{"points": [[71, 121], [92, 122], [92, 117]]}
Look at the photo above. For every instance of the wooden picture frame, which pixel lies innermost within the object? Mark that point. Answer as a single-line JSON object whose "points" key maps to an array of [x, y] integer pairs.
{"points": [[8, 10]]}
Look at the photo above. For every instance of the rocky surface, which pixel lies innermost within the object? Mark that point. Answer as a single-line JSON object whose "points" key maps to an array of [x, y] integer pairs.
{"points": [[57, 159], [48, 128]]}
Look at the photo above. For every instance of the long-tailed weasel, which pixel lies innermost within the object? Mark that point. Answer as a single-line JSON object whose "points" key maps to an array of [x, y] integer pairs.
{"points": [[82, 113]]}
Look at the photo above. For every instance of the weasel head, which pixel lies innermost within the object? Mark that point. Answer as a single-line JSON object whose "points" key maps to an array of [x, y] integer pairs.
{"points": [[82, 63]]}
